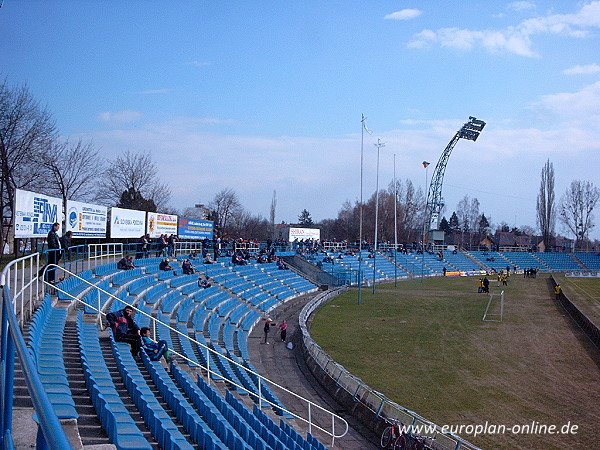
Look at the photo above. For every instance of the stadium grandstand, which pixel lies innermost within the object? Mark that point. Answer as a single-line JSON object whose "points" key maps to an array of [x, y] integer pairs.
{"points": [[83, 388]]}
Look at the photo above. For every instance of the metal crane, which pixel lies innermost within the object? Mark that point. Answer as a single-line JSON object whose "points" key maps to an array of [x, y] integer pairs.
{"points": [[435, 202]]}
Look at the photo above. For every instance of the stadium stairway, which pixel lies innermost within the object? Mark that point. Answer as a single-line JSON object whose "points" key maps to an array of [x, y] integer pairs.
{"points": [[90, 429]]}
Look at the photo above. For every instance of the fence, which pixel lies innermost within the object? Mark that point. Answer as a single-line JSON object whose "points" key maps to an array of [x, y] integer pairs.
{"points": [[371, 406]]}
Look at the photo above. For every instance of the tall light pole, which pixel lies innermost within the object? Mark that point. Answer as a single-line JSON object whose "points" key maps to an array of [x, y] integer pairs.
{"points": [[379, 145], [395, 226], [360, 226], [425, 223]]}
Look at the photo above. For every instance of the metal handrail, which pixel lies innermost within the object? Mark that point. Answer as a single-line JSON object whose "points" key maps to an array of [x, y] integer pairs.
{"points": [[13, 342], [154, 320]]}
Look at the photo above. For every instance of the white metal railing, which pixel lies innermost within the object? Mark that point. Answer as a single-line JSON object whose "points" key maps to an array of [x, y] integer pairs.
{"points": [[357, 389], [21, 276], [188, 247], [154, 321], [102, 253]]}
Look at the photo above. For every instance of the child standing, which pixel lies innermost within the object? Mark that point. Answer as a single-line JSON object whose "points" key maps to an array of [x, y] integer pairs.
{"points": [[154, 349], [283, 328]]}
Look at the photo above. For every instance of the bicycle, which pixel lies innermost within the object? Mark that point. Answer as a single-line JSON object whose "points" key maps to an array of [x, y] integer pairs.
{"points": [[414, 442], [391, 434]]}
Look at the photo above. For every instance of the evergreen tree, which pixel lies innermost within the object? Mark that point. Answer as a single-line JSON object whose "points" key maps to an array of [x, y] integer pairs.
{"points": [[445, 226], [454, 225], [304, 219]]}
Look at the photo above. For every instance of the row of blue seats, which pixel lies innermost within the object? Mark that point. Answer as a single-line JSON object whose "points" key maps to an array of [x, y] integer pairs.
{"points": [[114, 417], [75, 285], [45, 345], [199, 431], [213, 417], [155, 417]]}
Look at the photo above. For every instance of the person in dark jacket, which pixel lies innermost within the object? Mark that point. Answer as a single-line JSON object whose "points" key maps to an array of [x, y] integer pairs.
{"points": [[54, 253], [125, 329], [164, 265], [126, 263], [65, 244]]}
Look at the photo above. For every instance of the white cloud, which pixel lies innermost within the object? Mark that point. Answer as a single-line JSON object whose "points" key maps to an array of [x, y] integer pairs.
{"points": [[124, 116], [514, 39], [582, 70], [404, 14], [582, 106], [521, 6], [462, 39]]}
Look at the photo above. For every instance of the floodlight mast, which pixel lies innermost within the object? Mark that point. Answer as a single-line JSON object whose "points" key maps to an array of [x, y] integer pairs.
{"points": [[435, 202]]}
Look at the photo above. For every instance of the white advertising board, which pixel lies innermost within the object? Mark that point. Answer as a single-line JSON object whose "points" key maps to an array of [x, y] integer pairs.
{"points": [[127, 223], [304, 233], [35, 214], [86, 220], [161, 224]]}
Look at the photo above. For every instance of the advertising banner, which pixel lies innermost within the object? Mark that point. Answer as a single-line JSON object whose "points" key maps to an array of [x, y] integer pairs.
{"points": [[86, 220], [35, 214], [127, 223], [161, 224], [304, 233], [195, 229]]}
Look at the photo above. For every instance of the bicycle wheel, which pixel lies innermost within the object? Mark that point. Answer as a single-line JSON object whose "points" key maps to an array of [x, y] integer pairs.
{"points": [[400, 443], [386, 437]]}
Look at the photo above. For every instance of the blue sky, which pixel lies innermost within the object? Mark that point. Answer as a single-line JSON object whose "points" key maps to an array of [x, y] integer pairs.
{"points": [[264, 95]]}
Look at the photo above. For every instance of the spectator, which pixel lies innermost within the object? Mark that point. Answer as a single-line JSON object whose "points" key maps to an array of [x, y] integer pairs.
{"points": [[65, 243], [187, 267], [126, 263], [155, 350], [125, 329], [53, 254], [204, 283], [162, 246], [144, 243], [171, 245], [266, 329], [283, 330], [164, 265]]}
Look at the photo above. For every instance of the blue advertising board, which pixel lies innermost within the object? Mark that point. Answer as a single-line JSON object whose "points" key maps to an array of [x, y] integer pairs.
{"points": [[195, 229]]}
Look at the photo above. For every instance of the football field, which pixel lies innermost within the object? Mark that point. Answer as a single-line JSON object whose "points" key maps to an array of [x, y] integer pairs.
{"points": [[425, 346]]}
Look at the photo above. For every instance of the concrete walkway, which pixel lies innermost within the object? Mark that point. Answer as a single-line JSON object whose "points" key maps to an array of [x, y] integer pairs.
{"points": [[287, 368]]}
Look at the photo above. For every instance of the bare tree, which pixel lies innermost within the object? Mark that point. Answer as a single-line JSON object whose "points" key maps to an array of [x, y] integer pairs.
{"points": [[71, 170], [576, 208], [26, 132], [467, 212], [546, 216], [132, 181], [272, 213], [223, 207]]}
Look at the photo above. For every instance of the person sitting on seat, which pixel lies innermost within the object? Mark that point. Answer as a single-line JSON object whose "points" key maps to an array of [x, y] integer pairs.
{"points": [[125, 329], [155, 350], [187, 267], [126, 263], [164, 265], [204, 283]]}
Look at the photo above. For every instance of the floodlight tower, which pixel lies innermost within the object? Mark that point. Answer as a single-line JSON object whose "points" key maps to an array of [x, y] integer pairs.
{"points": [[435, 202]]}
